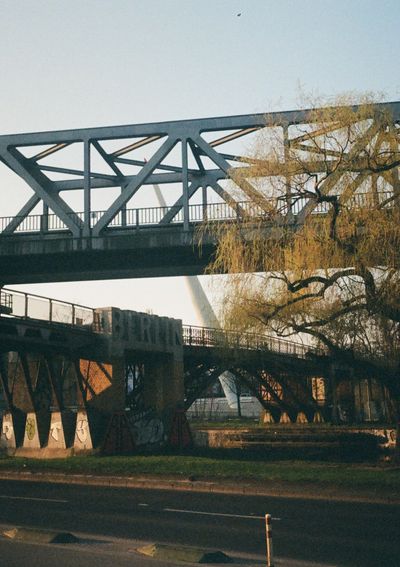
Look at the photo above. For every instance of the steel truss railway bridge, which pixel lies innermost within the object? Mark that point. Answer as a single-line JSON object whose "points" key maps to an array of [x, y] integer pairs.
{"points": [[90, 211], [66, 370], [66, 367], [31, 323]]}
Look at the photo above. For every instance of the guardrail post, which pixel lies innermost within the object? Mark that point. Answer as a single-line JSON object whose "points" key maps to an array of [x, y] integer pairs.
{"points": [[204, 202], [137, 219], [26, 305], [123, 210], [268, 528], [44, 219], [238, 216]]}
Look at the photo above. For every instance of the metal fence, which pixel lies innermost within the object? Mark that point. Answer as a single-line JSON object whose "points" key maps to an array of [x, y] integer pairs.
{"points": [[218, 338], [153, 216], [31, 306]]}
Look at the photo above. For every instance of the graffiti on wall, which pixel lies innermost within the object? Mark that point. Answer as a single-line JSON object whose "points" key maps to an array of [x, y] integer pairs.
{"points": [[7, 430], [147, 428], [30, 428], [82, 430], [55, 429]]}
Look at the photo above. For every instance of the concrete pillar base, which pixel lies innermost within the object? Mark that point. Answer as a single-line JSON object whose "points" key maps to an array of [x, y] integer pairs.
{"points": [[301, 417], [267, 418], [285, 418], [118, 439], [90, 430], [12, 430], [31, 436], [83, 437], [318, 417], [62, 430]]}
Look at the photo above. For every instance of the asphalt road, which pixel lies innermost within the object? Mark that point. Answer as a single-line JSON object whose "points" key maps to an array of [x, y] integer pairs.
{"points": [[328, 532]]}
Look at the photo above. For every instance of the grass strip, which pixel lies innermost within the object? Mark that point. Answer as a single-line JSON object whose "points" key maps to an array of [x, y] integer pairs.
{"points": [[340, 475]]}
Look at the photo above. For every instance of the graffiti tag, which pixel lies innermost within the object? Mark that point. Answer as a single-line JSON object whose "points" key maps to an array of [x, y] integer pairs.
{"points": [[7, 430], [55, 428], [30, 428], [82, 430], [148, 431]]}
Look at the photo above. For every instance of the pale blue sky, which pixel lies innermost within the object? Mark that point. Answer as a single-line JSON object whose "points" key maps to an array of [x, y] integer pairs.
{"points": [[81, 63]]}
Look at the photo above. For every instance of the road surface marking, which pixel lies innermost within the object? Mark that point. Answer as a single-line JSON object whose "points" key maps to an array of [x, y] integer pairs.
{"points": [[140, 504], [216, 514], [31, 498]]}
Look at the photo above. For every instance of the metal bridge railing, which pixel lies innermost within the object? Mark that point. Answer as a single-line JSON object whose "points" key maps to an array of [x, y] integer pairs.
{"points": [[153, 216], [6, 302], [30, 306], [209, 337]]}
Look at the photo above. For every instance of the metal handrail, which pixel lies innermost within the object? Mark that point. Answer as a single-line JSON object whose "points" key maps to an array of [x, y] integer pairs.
{"points": [[24, 305], [32, 306], [210, 337], [153, 216], [6, 302]]}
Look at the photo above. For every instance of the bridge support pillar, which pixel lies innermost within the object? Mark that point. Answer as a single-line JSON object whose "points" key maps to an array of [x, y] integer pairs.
{"points": [[12, 430], [83, 435], [62, 430], [90, 430], [36, 430], [164, 384], [285, 418]]}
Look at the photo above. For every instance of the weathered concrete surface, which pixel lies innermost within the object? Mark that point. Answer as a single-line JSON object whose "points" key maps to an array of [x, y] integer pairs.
{"points": [[147, 252], [274, 435], [62, 430], [158, 341], [185, 554], [33, 535], [12, 430]]}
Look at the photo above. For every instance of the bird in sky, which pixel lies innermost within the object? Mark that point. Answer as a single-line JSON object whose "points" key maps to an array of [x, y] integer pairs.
{"points": [[239, 14]]}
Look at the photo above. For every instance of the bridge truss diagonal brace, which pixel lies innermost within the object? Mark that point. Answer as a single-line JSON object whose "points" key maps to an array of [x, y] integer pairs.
{"points": [[28, 380], [108, 159], [227, 198], [21, 215], [177, 206], [55, 384], [42, 188], [133, 186], [4, 382], [217, 158]]}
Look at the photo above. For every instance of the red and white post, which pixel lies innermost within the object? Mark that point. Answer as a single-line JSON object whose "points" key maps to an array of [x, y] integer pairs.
{"points": [[268, 528]]}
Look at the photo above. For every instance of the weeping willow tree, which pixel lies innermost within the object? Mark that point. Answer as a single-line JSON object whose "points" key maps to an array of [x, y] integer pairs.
{"points": [[314, 254]]}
